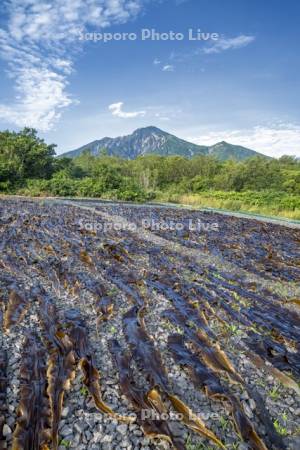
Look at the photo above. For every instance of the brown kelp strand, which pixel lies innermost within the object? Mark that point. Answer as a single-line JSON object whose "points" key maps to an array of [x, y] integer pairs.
{"points": [[264, 416], [104, 308], [60, 371], [205, 379], [61, 362], [49, 320], [86, 258], [120, 279], [217, 360], [210, 353], [149, 360], [240, 287], [151, 424], [223, 301], [275, 353], [184, 308], [286, 323], [15, 310], [3, 387], [284, 379], [77, 332], [116, 250], [143, 348], [32, 431], [276, 320], [262, 309], [192, 421]]}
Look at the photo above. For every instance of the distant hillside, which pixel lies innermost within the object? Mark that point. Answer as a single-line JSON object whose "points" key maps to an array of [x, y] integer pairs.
{"points": [[152, 140]]}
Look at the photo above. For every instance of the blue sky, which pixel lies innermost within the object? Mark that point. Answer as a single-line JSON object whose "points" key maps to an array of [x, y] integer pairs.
{"points": [[242, 86]]}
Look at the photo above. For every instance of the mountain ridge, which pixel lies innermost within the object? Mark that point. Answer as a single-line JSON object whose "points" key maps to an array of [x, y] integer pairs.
{"points": [[152, 140]]}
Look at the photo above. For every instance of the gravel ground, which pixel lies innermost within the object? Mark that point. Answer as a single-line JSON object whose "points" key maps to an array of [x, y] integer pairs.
{"points": [[26, 227]]}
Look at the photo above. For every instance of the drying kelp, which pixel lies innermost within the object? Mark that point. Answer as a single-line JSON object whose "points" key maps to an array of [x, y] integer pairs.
{"points": [[149, 360], [260, 311], [33, 425], [193, 421], [3, 387], [275, 353], [145, 404], [284, 379], [79, 338], [116, 250], [86, 258], [182, 306], [250, 244], [214, 304], [205, 379], [60, 371], [16, 310], [211, 353], [104, 308], [143, 348], [216, 359], [61, 362], [128, 283], [49, 320]]}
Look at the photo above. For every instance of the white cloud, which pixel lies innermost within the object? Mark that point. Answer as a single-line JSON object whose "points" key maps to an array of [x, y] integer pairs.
{"points": [[156, 62], [116, 110], [39, 45], [229, 44], [168, 68], [274, 140], [41, 97]]}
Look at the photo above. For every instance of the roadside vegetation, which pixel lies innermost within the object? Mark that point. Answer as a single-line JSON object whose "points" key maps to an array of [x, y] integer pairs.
{"points": [[28, 166]]}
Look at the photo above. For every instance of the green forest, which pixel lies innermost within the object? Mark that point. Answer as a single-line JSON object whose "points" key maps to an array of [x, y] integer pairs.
{"points": [[28, 166]]}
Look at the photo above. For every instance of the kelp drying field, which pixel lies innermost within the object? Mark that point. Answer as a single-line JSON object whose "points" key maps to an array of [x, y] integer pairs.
{"points": [[128, 327]]}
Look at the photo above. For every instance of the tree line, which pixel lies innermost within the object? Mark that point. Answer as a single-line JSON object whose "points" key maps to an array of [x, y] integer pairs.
{"points": [[28, 166]]}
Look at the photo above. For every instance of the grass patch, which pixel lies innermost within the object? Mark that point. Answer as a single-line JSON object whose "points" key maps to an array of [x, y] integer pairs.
{"points": [[274, 393], [280, 428], [65, 443], [279, 204], [84, 391]]}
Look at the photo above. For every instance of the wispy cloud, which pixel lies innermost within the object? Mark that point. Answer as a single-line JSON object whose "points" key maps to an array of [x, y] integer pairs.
{"points": [[275, 139], [168, 68], [39, 44], [156, 62], [224, 44], [117, 110]]}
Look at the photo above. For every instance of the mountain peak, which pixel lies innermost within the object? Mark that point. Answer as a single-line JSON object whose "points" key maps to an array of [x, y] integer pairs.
{"points": [[150, 129], [221, 143], [153, 140]]}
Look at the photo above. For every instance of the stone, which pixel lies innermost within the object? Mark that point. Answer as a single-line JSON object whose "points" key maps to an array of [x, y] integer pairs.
{"points": [[66, 431], [106, 446], [243, 446], [107, 438], [65, 412], [6, 430], [97, 436], [244, 395], [247, 410], [122, 429], [252, 404], [79, 427]]}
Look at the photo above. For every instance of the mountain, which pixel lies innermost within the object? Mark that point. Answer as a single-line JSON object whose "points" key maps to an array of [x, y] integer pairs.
{"points": [[152, 140], [223, 150]]}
